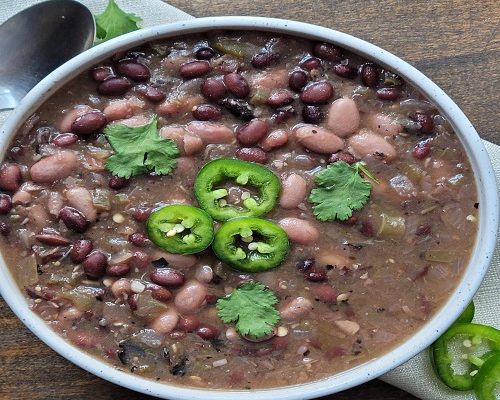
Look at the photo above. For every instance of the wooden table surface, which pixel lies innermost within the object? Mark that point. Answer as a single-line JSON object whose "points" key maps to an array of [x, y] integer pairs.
{"points": [[454, 42]]}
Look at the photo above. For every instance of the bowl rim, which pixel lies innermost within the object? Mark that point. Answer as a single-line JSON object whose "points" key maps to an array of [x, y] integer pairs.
{"points": [[418, 341]]}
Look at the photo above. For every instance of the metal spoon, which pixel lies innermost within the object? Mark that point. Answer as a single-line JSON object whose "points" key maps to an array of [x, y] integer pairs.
{"points": [[36, 41]]}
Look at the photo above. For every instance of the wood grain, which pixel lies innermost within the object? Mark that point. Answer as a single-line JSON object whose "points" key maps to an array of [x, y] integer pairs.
{"points": [[454, 42]]}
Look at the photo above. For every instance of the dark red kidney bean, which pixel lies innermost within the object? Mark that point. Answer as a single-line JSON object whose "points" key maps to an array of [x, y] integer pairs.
{"points": [[421, 150], [252, 154], [342, 156], [140, 260], [115, 182], [370, 75], [237, 85], [207, 112], [194, 69], [5, 203], [305, 264], [141, 214], [52, 239], [167, 277], [239, 108], [282, 114], [118, 270], [65, 139], [297, 80], [80, 250], [114, 86], [345, 71], [153, 94], [367, 229], [312, 115], [188, 323], [310, 63], [425, 122], [139, 239], [317, 93], [316, 275], [207, 332], [73, 219], [327, 51], [10, 177], [161, 294], [352, 220], [264, 59], [205, 53], [95, 265], [324, 293], [213, 89], [134, 70], [388, 93], [101, 73], [89, 123], [252, 132], [280, 98], [4, 229]]}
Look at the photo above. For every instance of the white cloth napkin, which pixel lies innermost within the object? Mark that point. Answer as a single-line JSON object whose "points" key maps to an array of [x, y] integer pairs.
{"points": [[415, 376]]}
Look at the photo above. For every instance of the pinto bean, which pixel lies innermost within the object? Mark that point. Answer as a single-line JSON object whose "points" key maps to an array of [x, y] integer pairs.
{"points": [[73, 219], [80, 250], [65, 139], [342, 156], [10, 177], [296, 309], [297, 80], [213, 89], [5, 203], [318, 139], [120, 288], [300, 231], [190, 297], [210, 132], [114, 87], [252, 154], [327, 51], [207, 112], [38, 216], [370, 75], [160, 293], [118, 270], [54, 167], [123, 108], [280, 98], [167, 277], [204, 273], [88, 123], [251, 132], [165, 322], [343, 117], [383, 124], [81, 199], [22, 197], [317, 93], [237, 85], [293, 191], [367, 143], [134, 70], [191, 144], [194, 69], [274, 140], [95, 265]]}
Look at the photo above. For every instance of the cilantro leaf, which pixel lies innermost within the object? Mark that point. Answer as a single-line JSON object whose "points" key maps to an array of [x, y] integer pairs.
{"points": [[139, 150], [114, 22], [341, 191], [251, 306]]}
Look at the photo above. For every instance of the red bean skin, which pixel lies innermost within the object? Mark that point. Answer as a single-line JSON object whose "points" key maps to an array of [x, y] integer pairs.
{"points": [[252, 132], [264, 59], [5, 203], [138, 239], [161, 294], [313, 115], [115, 182], [114, 87], [133, 70], [207, 332], [205, 53], [370, 75], [10, 177], [207, 112], [327, 51], [317, 93], [280, 98], [297, 80], [118, 270], [167, 277], [425, 123], [345, 71], [188, 323], [311, 63], [153, 94], [316, 275], [421, 151], [141, 214], [388, 93], [74, 219], [65, 139], [213, 89], [95, 265], [89, 123], [194, 69], [80, 250], [101, 73], [237, 85], [252, 154]]}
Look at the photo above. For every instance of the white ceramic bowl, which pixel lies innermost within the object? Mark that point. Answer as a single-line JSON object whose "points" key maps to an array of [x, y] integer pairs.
{"points": [[472, 277]]}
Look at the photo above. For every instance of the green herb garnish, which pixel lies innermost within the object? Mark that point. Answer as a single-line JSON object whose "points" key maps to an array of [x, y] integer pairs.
{"points": [[114, 22], [139, 150], [341, 190], [251, 306]]}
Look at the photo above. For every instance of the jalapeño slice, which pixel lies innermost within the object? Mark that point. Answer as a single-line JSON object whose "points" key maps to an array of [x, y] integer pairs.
{"points": [[251, 244], [211, 193], [180, 229], [488, 378]]}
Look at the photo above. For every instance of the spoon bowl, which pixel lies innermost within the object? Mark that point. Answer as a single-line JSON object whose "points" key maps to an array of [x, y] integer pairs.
{"points": [[36, 41]]}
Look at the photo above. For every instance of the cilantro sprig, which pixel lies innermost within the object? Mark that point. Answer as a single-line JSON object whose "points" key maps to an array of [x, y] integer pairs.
{"points": [[341, 190], [114, 22], [251, 306], [139, 150]]}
